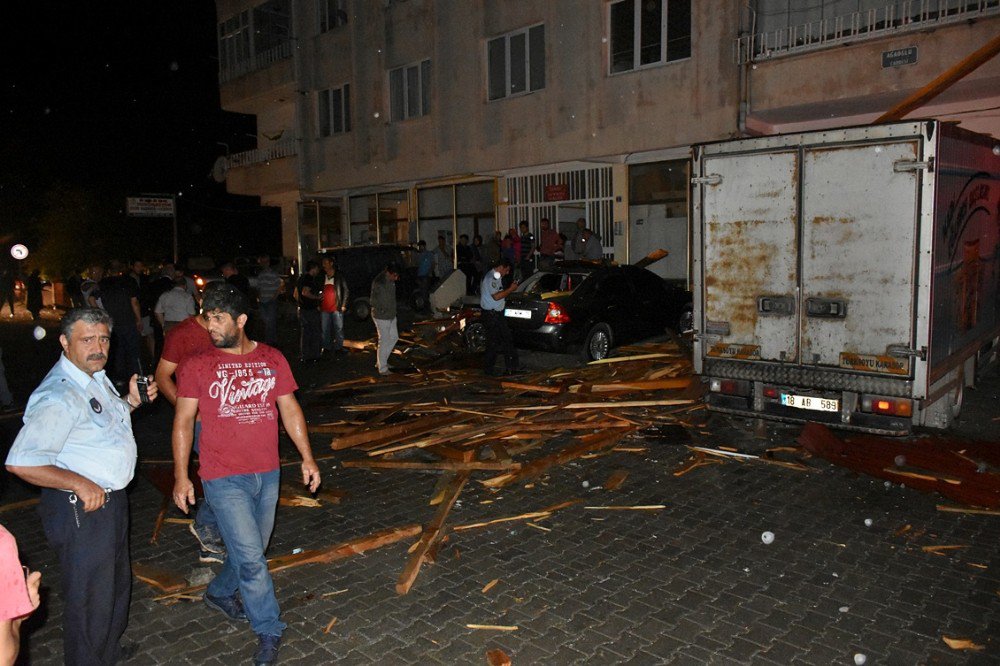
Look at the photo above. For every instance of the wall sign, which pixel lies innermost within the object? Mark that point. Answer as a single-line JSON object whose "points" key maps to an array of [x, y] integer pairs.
{"points": [[899, 57]]}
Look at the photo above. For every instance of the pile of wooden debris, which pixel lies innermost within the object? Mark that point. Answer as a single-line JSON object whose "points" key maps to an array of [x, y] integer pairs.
{"points": [[512, 431]]}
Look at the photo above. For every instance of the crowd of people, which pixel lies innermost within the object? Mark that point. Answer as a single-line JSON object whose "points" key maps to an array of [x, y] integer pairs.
{"points": [[216, 362]]}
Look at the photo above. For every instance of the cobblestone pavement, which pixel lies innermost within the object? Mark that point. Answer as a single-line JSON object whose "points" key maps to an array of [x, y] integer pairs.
{"points": [[690, 584]]}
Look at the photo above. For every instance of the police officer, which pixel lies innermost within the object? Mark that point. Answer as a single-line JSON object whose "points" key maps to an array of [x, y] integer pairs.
{"points": [[492, 299], [77, 445]]}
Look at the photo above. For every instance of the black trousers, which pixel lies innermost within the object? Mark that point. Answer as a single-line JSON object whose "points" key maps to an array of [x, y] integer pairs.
{"points": [[95, 571], [311, 341], [498, 341]]}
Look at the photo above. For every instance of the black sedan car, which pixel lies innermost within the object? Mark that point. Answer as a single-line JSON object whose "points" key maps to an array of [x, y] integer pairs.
{"points": [[595, 305]]}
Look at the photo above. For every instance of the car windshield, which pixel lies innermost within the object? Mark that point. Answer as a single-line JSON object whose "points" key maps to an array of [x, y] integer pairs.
{"points": [[543, 283]]}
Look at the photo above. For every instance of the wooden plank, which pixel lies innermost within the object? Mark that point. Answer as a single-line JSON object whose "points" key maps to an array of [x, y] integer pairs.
{"points": [[452, 453], [535, 468], [23, 504], [345, 549], [967, 509], [433, 533], [168, 581], [624, 359], [537, 388], [616, 479], [643, 385], [531, 515], [440, 465], [385, 434], [606, 405]]}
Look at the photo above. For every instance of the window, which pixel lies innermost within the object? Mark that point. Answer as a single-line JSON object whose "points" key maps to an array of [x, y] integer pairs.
{"points": [[254, 39], [272, 24], [409, 91], [516, 62], [334, 107], [649, 32], [332, 13], [234, 41]]}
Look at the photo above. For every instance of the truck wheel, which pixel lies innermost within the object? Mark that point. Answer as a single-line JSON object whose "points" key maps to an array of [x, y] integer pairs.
{"points": [[597, 344], [361, 309], [475, 337]]}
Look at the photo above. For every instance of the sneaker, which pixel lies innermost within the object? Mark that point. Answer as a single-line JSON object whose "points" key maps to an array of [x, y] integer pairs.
{"points": [[208, 557], [208, 538], [232, 606], [267, 650]]}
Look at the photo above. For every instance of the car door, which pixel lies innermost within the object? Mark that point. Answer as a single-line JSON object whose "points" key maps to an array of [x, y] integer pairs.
{"points": [[653, 309], [614, 303]]}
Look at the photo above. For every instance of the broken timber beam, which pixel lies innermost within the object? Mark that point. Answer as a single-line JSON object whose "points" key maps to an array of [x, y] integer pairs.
{"points": [[449, 465], [391, 433], [433, 533], [535, 468]]}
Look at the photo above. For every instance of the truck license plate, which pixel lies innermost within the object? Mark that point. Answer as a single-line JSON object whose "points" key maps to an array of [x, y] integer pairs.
{"points": [[517, 314], [810, 402]]}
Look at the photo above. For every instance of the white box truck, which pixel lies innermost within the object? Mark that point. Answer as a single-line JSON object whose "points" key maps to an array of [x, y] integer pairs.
{"points": [[849, 277]]}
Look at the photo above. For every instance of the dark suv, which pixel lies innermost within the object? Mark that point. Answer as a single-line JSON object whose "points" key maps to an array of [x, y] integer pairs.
{"points": [[359, 264]]}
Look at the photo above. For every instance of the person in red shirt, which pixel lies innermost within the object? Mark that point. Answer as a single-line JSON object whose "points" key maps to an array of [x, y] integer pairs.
{"points": [[332, 306], [241, 388], [186, 339], [550, 245]]}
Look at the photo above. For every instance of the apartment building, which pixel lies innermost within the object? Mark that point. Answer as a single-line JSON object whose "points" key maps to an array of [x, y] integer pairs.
{"points": [[399, 120]]}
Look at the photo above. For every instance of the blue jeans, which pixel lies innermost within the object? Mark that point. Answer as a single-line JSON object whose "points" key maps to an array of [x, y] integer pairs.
{"points": [[244, 505], [333, 330]]}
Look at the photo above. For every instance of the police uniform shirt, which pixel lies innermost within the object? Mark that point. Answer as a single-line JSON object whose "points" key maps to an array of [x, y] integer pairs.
{"points": [[492, 283], [79, 423]]}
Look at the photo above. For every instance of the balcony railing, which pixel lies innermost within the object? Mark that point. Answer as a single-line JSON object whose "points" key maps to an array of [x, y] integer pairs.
{"points": [[282, 148], [257, 61], [892, 19]]}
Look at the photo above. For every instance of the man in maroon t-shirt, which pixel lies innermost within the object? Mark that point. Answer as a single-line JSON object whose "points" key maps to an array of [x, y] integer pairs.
{"points": [[188, 338], [241, 388]]}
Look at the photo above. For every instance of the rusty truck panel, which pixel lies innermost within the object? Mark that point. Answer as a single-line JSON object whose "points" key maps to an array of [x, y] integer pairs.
{"points": [[847, 276]]}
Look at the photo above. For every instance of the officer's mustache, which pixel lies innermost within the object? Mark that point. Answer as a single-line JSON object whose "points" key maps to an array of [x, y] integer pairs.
{"points": [[97, 357]]}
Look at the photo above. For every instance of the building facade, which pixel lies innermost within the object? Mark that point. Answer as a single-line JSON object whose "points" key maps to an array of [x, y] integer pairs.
{"points": [[399, 120]]}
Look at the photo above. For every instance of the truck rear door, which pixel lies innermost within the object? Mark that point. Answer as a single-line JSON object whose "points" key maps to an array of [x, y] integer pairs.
{"points": [[750, 256], [858, 261]]}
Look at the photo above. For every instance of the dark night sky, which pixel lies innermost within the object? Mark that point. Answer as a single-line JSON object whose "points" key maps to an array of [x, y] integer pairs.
{"points": [[121, 97]]}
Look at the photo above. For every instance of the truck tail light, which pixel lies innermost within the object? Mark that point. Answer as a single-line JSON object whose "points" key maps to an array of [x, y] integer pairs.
{"points": [[730, 386], [886, 405], [771, 392], [556, 315]]}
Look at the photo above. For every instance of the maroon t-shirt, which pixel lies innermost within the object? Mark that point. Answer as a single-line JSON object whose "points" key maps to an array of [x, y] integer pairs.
{"points": [[184, 339], [237, 399]]}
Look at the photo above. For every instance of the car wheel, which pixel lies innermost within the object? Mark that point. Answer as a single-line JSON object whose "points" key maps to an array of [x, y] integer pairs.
{"points": [[475, 337], [361, 309], [597, 344], [686, 321]]}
